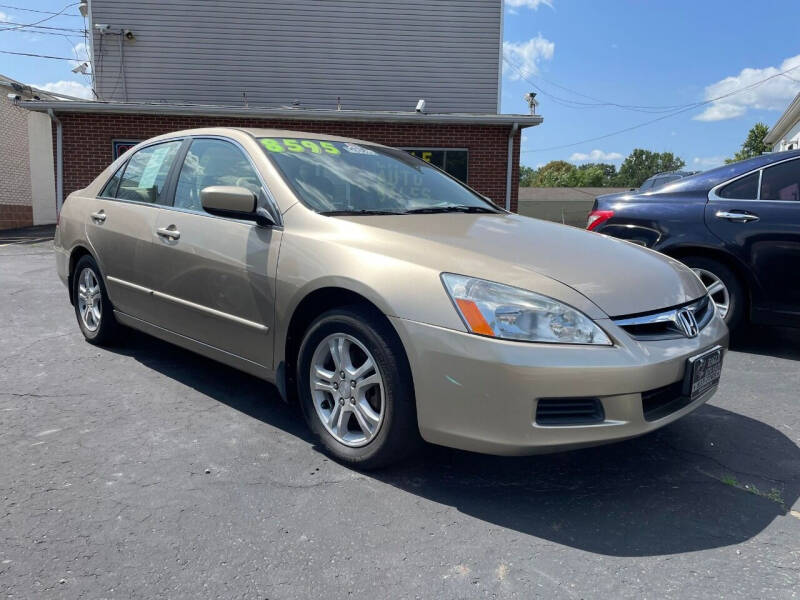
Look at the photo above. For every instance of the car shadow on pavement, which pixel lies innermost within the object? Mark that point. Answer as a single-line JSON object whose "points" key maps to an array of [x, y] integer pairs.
{"points": [[780, 342], [712, 479]]}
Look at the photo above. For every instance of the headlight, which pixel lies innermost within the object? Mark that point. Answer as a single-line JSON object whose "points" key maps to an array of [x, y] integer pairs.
{"points": [[506, 312]]}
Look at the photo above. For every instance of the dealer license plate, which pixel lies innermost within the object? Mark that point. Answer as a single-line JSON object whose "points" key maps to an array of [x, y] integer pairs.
{"points": [[703, 372]]}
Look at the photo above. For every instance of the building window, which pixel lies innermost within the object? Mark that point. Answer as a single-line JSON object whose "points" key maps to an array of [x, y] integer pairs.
{"points": [[453, 161], [120, 147]]}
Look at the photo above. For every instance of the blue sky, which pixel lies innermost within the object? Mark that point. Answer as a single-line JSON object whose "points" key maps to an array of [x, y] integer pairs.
{"points": [[649, 53], [643, 53]]}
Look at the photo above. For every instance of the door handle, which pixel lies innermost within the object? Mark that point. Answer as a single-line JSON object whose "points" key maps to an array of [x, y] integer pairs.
{"points": [[99, 216], [166, 232], [738, 217]]}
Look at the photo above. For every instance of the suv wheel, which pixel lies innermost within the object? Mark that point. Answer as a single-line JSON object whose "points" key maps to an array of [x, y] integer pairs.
{"points": [[723, 286], [355, 389], [92, 306]]}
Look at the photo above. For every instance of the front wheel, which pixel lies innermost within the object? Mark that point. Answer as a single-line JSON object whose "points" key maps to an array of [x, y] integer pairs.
{"points": [[723, 286], [355, 389]]}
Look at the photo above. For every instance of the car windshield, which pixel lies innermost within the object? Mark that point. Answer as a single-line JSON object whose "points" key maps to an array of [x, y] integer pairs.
{"points": [[333, 177]]}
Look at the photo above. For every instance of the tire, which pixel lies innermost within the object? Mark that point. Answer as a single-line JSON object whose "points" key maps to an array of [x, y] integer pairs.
{"points": [[366, 337], [708, 269], [97, 324]]}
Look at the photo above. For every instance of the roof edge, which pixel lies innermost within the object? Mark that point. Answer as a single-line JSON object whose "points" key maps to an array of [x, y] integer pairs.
{"points": [[281, 113], [784, 123]]}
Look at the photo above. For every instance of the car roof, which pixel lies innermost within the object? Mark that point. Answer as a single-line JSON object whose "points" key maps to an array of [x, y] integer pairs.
{"points": [[706, 180], [258, 132]]}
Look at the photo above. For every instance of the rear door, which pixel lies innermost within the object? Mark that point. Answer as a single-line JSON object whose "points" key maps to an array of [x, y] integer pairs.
{"points": [[215, 276], [121, 225], [757, 216]]}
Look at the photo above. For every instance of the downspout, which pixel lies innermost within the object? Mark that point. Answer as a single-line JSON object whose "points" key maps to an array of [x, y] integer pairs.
{"points": [[122, 64], [509, 164], [59, 161]]}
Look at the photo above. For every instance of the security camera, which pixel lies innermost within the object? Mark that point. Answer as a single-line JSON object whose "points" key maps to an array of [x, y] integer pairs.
{"points": [[530, 98], [102, 28], [421, 105], [82, 68], [128, 35]]}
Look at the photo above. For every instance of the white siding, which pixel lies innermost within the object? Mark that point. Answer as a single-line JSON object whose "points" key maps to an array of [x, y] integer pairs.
{"points": [[374, 54]]}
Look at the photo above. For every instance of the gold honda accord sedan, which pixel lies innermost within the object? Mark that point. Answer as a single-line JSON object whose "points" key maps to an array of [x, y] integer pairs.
{"points": [[393, 302]]}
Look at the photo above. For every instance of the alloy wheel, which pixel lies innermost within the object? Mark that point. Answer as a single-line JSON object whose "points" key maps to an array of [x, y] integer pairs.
{"points": [[347, 389], [716, 289], [90, 304]]}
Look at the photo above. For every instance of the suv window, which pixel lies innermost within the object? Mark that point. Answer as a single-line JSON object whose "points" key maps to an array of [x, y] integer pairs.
{"points": [[647, 184], [781, 182], [213, 162], [745, 188], [146, 173]]}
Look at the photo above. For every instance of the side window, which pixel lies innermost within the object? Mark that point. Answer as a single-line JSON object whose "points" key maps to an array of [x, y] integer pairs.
{"points": [[146, 174], [648, 183], [110, 189], [212, 162], [781, 182], [745, 188]]}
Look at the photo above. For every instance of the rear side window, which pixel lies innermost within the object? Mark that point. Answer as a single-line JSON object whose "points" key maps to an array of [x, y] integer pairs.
{"points": [[110, 189], [745, 188], [146, 174], [781, 182]]}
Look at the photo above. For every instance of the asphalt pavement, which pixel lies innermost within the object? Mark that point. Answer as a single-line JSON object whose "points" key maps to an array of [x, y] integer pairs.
{"points": [[145, 471]]}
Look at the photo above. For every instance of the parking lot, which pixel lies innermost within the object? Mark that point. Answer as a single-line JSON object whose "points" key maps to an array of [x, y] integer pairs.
{"points": [[146, 471]]}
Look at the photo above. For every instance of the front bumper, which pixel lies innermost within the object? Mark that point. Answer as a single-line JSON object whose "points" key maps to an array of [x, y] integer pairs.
{"points": [[481, 394]]}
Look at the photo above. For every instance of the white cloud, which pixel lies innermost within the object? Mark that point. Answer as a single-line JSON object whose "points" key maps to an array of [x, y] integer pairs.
{"points": [[526, 56], [69, 88], [774, 94], [81, 53], [595, 156], [512, 5], [707, 162], [5, 17]]}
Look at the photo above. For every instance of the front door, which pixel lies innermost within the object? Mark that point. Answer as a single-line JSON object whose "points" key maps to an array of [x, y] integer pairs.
{"points": [[121, 223], [758, 219], [215, 277]]}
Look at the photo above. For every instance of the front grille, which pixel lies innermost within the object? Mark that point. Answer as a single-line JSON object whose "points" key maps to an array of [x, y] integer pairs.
{"points": [[665, 324], [569, 411], [660, 402]]}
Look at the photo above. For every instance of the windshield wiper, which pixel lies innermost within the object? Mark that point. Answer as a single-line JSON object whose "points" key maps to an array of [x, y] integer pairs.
{"points": [[447, 209], [344, 213]]}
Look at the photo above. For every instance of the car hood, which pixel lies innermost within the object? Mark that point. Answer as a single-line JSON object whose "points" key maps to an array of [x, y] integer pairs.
{"points": [[618, 277]]}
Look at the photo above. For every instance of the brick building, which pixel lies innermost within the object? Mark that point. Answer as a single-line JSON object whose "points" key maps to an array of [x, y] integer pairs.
{"points": [[27, 193], [354, 69]]}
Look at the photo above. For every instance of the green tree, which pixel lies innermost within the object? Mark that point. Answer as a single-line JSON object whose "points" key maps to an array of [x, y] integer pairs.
{"points": [[609, 173], [753, 145], [527, 176], [642, 164], [557, 173]]}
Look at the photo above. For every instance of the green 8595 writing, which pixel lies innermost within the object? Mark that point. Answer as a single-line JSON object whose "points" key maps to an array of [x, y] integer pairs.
{"points": [[291, 145]]}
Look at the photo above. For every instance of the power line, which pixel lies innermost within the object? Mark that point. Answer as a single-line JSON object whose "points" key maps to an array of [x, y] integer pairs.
{"points": [[36, 28], [598, 102], [38, 55], [44, 12], [661, 118], [52, 16]]}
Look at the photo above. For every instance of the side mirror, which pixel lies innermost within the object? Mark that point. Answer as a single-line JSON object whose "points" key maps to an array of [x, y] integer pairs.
{"points": [[235, 202]]}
